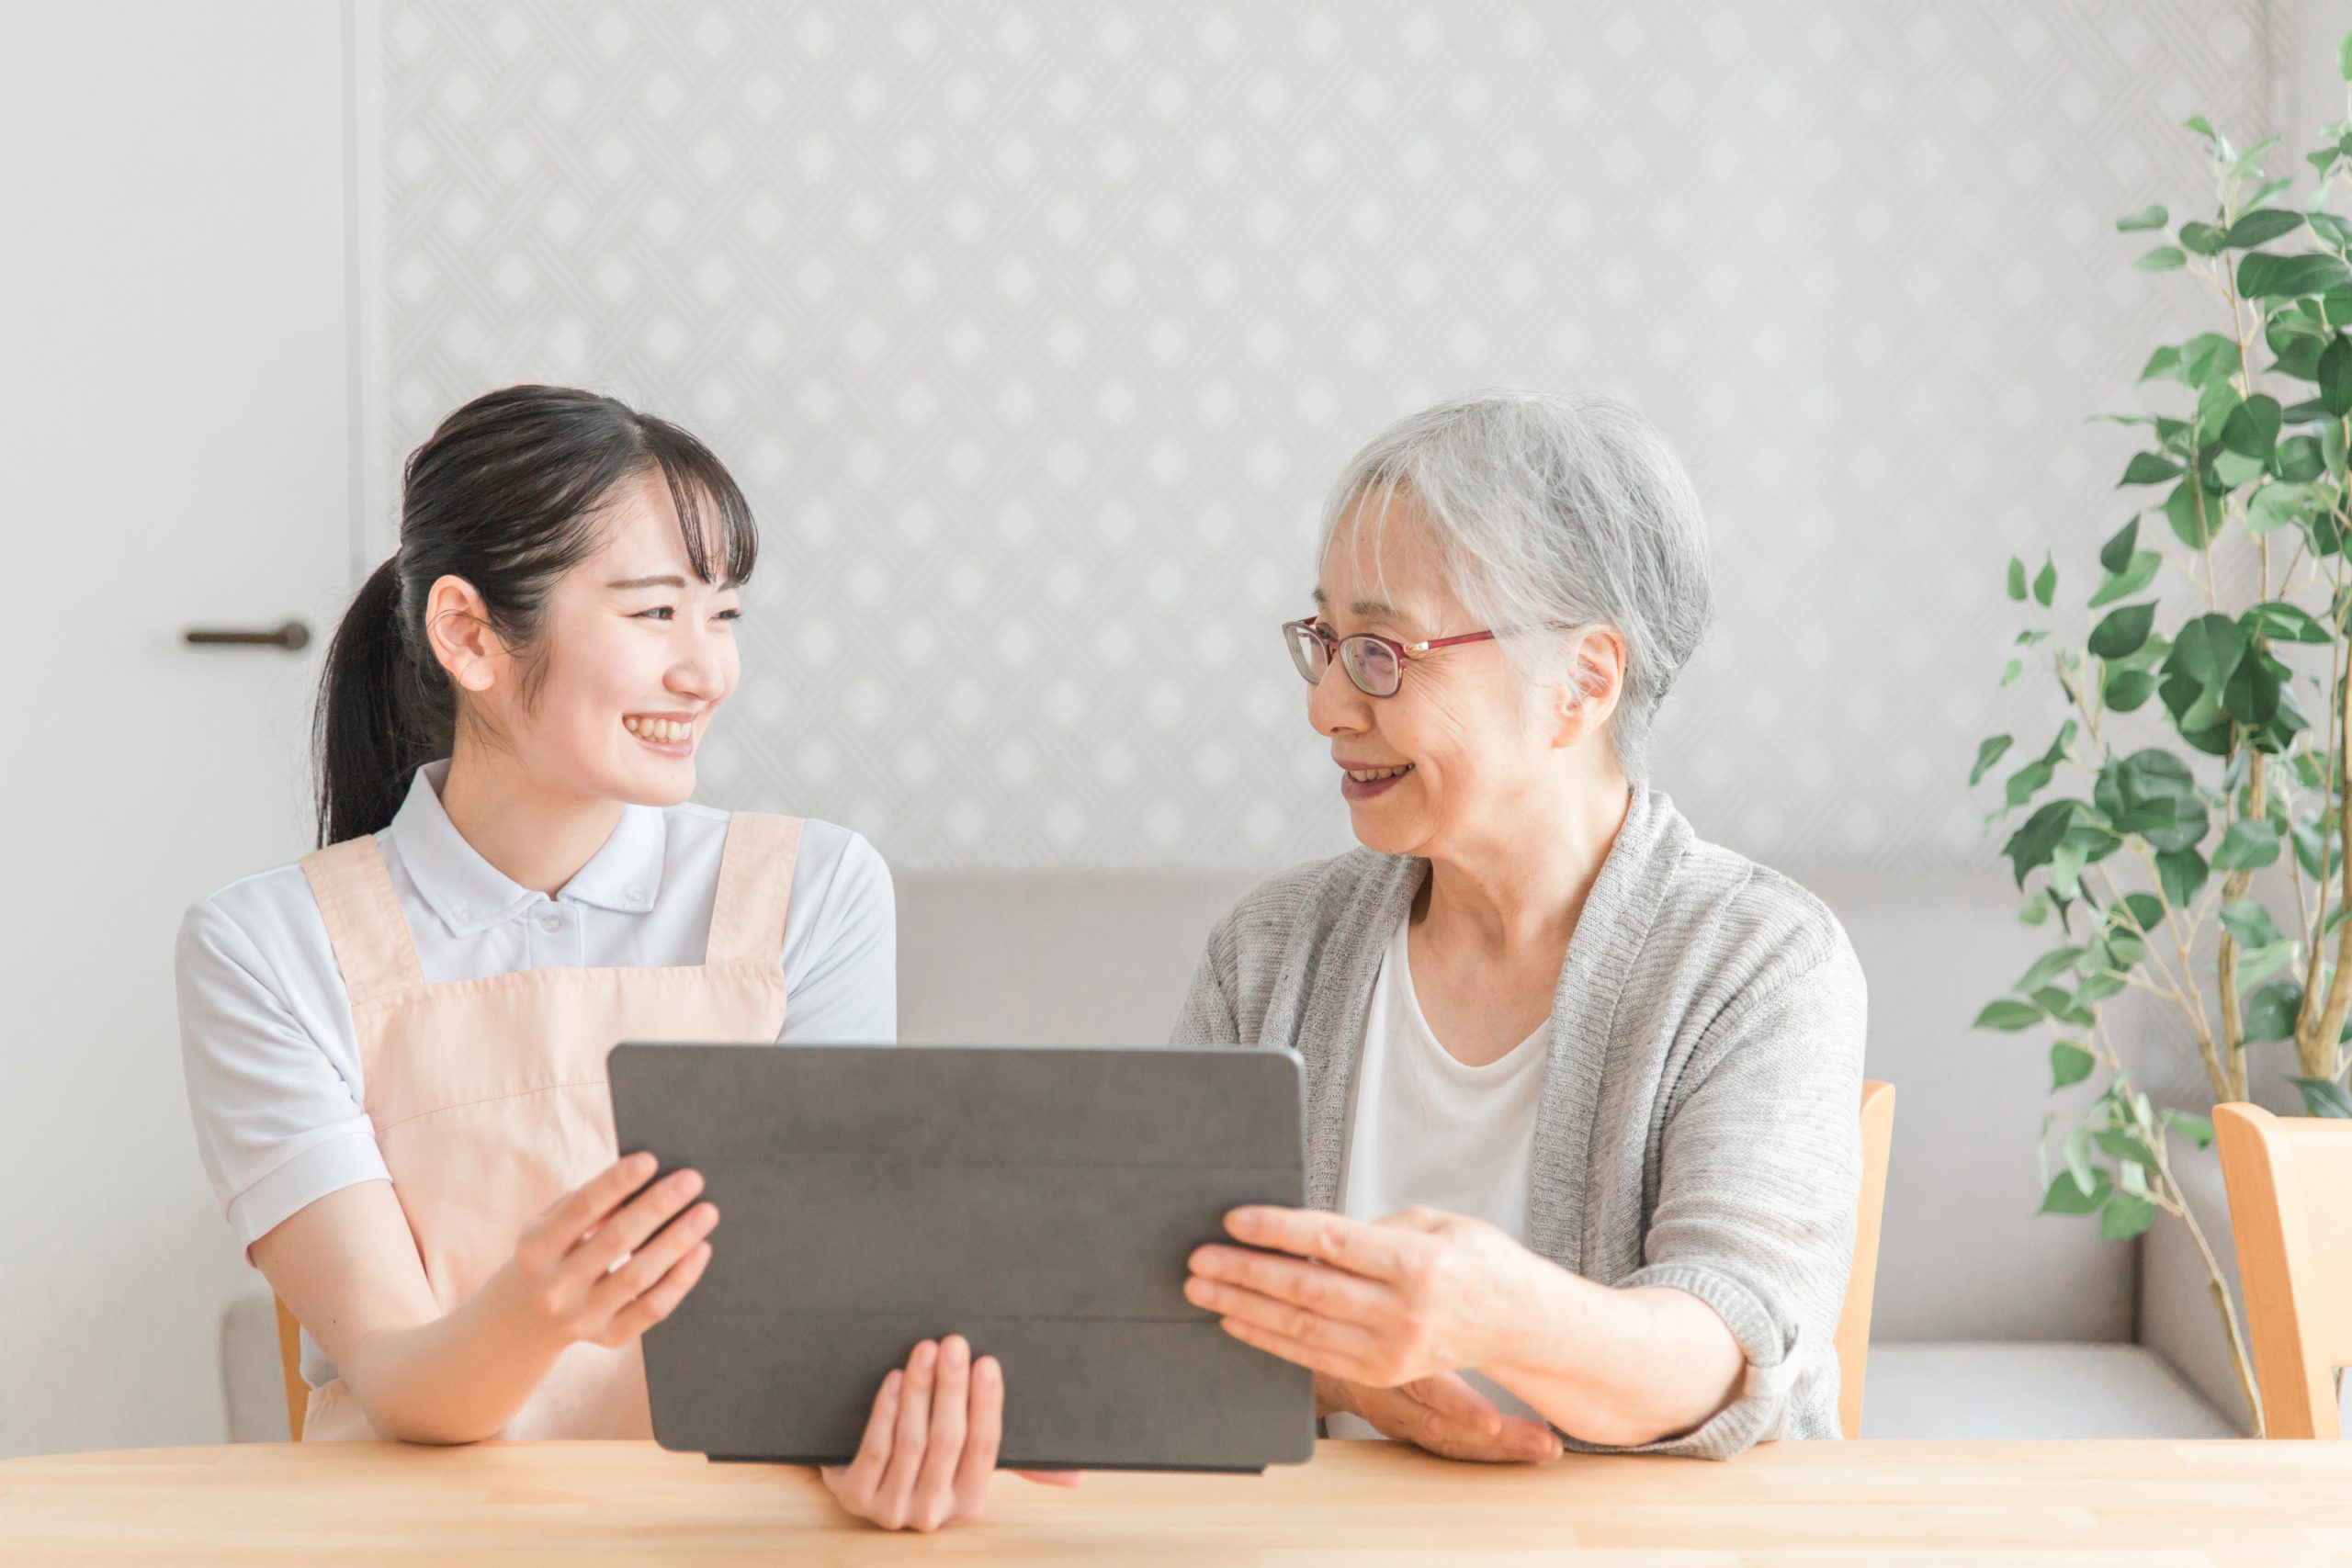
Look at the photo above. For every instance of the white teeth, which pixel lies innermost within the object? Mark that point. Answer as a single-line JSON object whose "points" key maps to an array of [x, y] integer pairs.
{"points": [[669, 730], [1367, 775]]}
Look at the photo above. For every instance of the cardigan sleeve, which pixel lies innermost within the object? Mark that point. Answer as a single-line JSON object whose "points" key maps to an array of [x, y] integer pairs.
{"points": [[1759, 1174], [1206, 1018]]}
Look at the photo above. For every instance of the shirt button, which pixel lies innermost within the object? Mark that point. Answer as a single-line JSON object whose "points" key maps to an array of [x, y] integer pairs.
{"points": [[551, 922], [636, 894]]}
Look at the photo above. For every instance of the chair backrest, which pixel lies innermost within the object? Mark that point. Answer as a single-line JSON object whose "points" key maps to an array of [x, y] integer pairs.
{"points": [[1854, 1320], [2290, 1180], [289, 1364]]}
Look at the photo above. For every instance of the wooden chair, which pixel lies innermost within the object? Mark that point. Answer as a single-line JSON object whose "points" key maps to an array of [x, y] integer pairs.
{"points": [[289, 1364], [1854, 1320], [2289, 1178]]}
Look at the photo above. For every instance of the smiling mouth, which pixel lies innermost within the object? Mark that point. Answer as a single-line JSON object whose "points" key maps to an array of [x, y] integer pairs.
{"points": [[1368, 775], [664, 733]]}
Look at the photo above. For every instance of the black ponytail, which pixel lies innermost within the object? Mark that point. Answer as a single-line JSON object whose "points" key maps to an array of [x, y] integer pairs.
{"points": [[506, 495]]}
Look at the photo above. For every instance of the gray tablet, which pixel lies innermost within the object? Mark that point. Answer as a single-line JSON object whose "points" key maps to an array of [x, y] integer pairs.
{"points": [[1040, 1202]]}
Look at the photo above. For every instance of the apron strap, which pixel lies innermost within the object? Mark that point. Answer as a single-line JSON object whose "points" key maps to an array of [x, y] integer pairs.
{"points": [[754, 889], [370, 936]]}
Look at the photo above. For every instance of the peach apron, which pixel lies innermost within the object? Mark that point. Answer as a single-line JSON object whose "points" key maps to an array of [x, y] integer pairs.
{"points": [[489, 1100]]}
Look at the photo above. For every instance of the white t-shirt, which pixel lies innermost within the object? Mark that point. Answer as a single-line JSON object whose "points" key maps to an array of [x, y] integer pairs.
{"points": [[1429, 1129], [265, 1037]]}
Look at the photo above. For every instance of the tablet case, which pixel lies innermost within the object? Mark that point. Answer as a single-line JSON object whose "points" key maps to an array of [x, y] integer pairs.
{"points": [[1040, 1202]]}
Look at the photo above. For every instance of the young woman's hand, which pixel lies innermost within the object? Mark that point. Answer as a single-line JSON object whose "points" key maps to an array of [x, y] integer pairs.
{"points": [[1443, 1414], [930, 1443], [592, 1268]]}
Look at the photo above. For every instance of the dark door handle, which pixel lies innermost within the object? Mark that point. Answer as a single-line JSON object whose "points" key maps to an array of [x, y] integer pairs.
{"points": [[291, 636]]}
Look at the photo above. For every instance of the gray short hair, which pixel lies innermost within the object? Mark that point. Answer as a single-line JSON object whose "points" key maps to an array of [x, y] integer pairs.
{"points": [[1551, 509]]}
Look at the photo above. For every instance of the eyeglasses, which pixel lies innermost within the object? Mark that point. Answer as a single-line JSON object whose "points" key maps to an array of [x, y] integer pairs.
{"points": [[1376, 664]]}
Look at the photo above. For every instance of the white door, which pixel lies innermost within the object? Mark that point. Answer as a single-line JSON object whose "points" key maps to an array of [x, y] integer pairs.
{"points": [[174, 452]]}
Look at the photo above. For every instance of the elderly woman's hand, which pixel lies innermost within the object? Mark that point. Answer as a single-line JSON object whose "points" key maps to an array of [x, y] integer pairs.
{"points": [[1443, 1414], [1408, 1298]]}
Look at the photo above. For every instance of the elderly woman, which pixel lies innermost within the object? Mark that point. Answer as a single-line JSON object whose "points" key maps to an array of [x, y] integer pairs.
{"points": [[1581, 1087]]}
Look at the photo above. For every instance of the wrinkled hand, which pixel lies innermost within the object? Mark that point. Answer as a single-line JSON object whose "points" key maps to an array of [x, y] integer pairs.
{"points": [[1445, 1415], [931, 1444], [586, 1269], [1417, 1294]]}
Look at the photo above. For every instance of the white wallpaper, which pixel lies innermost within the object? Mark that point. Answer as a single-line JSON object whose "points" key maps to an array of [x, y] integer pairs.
{"points": [[1036, 332]]}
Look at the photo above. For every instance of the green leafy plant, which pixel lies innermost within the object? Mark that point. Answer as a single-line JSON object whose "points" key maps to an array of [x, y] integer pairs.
{"points": [[2193, 796]]}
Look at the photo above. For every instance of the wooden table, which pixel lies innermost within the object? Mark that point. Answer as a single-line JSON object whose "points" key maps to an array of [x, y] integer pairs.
{"points": [[2148, 1505]]}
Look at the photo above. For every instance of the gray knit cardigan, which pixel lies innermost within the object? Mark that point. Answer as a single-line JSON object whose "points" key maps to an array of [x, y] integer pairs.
{"points": [[1698, 1126]]}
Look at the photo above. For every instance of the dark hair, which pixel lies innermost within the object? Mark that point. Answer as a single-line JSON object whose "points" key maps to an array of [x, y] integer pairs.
{"points": [[507, 495]]}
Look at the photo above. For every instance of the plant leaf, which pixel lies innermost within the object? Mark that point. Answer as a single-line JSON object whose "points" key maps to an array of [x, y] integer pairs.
{"points": [[2049, 967], [2008, 1015], [2252, 429], [2116, 554], [2335, 376], [2164, 258], [2249, 845], [2065, 1197], [2146, 218], [2125, 1217], [2147, 468], [2248, 160], [2262, 276], [2271, 1011], [2134, 575], [2324, 1096], [2262, 226], [2121, 633], [2249, 922], [2282, 622], [2126, 689], [2069, 1064], [2198, 1129], [2181, 874], [2127, 790], [1988, 751]]}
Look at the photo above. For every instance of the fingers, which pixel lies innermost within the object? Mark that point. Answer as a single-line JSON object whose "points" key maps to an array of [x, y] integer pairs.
{"points": [[1454, 1398], [1446, 1415], [983, 1435], [661, 1300], [934, 1502], [1325, 1291], [651, 1263], [1293, 1326], [856, 1483], [894, 1500], [930, 1443], [1374, 1251], [1314, 1356], [552, 1235], [623, 1233], [1067, 1478]]}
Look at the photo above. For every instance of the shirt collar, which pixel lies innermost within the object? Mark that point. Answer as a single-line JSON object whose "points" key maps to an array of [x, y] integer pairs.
{"points": [[470, 894]]}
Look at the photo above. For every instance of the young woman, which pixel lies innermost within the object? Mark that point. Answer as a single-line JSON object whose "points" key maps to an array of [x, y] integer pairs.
{"points": [[394, 1048]]}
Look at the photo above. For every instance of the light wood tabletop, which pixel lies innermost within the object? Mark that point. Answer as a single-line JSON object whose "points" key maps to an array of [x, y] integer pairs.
{"points": [[2150, 1505]]}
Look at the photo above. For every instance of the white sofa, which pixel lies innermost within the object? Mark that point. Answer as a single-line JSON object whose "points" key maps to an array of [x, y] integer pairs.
{"points": [[1989, 1321]]}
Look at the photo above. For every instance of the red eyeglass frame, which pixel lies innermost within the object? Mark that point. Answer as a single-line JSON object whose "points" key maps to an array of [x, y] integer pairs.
{"points": [[1331, 646]]}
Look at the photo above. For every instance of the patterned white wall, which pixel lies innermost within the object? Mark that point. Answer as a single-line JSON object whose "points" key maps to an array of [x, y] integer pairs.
{"points": [[1035, 331]]}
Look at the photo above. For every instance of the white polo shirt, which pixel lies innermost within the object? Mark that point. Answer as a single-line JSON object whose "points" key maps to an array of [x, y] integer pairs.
{"points": [[265, 1038]]}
